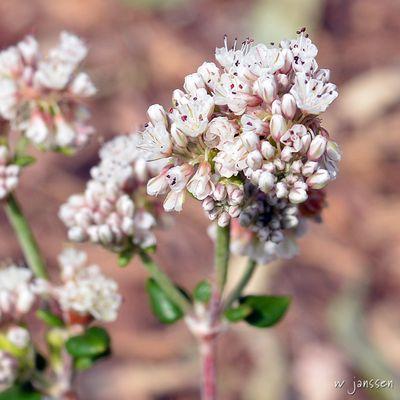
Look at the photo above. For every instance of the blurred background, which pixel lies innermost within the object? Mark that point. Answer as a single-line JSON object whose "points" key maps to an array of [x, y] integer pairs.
{"points": [[344, 323]]}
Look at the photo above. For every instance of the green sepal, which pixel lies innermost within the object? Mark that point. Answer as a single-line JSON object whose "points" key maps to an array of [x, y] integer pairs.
{"points": [[266, 310], [50, 319], [83, 363], [94, 342], [163, 308], [202, 292], [125, 256], [238, 314]]}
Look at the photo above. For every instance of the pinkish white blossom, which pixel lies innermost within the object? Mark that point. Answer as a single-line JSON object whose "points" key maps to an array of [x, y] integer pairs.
{"points": [[41, 96], [85, 290], [252, 120], [9, 173], [17, 292]]}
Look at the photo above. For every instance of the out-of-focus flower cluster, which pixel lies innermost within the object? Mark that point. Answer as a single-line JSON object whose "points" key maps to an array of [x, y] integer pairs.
{"points": [[250, 123], [114, 210], [41, 96], [85, 293], [9, 173], [17, 292]]}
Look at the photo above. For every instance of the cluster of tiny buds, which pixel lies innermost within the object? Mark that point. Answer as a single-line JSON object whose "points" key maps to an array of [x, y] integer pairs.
{"points": [[224, 203], [9, 173], [113, 210], [41, 96]]}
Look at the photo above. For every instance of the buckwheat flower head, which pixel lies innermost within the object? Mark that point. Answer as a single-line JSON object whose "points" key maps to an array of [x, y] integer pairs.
{"points": [[254, 119], [42, 96], [114, 210], [17, 293], [8, 370], [9, 173], [85, 290]]}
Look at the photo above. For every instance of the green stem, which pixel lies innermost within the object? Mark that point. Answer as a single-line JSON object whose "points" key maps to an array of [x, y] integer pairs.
{"points": [[244, 280], [164, 282], [25, 237], [222, 255]]}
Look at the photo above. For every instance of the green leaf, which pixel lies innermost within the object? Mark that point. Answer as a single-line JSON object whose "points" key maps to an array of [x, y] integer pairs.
{"points": [[83, 363], [238, 313], [50, 319], [163, 308], [202, 292], [20, 392], [125, 257], [266, 310], [24, 160], [94, 342]]}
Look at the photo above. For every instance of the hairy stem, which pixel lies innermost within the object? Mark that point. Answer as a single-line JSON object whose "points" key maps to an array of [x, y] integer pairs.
{"points": [[164, 282], [222, 256], [25, 237], [244, 280]]}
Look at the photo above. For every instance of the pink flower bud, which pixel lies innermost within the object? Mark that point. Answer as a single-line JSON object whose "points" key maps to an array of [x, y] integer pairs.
{"points": [[317, 147], [254, 159], [277, 126], [286, 154], [289, 107], [219, 193], [266, 182], [309, 168], [208, 204], [223, 219], [319, 179], [276, 107], [234, 211], [288, 57], [250, 140], [283, 82], [267, 150]]}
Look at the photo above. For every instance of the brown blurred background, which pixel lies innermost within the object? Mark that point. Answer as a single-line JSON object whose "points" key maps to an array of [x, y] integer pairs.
{"points": [[344, 323]]}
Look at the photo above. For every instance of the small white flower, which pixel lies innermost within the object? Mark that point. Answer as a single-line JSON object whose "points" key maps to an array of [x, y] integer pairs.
{"points": [[220, 131], [200, 185], [312, 96]]}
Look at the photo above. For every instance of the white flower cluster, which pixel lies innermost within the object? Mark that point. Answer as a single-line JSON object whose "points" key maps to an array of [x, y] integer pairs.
{"points": [[17, 292], [85, 290], [252, 120], [41, 96], [9, 173], [8, 370], [113, 210]]}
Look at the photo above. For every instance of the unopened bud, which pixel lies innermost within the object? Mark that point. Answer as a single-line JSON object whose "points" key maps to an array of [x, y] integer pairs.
{"points": [[193, 82], [223, 219], [208, 204], [250, 140], [266, 182], [254, 159], [289, 107], [277, 126], [317, 147], [297, 196], [267, 150], [276, 107], [219, 193], [157, 114], [319, 179], [265, 87]]}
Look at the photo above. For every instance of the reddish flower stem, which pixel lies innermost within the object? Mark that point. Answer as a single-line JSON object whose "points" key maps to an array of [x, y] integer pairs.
{"points": [[208, 347]]}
